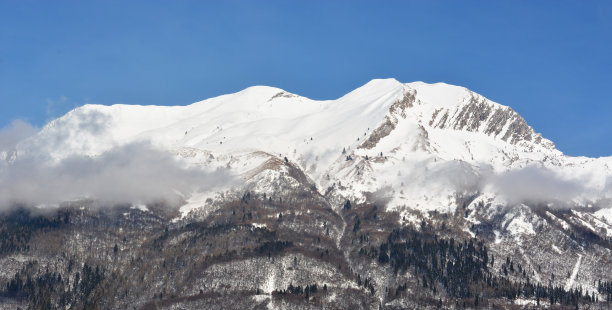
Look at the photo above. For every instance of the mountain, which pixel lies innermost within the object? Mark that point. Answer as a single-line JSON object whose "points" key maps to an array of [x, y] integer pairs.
{"points": [[384, 162], [415, 126]]}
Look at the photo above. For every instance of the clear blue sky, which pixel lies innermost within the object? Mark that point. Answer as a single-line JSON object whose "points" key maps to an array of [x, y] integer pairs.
{"points": [[549, 60]]}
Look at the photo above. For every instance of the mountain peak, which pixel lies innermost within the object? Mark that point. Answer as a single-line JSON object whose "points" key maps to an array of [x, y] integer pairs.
{"points": [[440, 94], [261, 89], [374, 90], [381, 82]]}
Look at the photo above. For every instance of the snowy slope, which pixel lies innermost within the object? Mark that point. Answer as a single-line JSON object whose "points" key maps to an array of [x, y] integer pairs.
{"points": [[437, 141]]}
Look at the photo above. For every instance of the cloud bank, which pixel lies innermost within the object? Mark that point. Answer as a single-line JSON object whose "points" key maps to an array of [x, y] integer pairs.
{"points": [[133, 173], [16, 131], [537, 185], [533, 185], [141, 173]]}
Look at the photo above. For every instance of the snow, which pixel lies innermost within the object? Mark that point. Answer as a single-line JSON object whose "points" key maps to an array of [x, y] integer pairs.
{"points": [[572, 278], [605, 215], [440, 94], [409, 218], [498, 237], [559, 221], [579, 218], [518, 224], [595, 222], [260, 298], [525, 302], [198, 201], [242, 132], [270, 284], [257, 225], [140, 206]]}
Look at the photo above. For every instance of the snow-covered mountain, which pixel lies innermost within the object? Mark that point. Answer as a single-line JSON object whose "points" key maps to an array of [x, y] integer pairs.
{"points": [[439, 159], [416, 144]]}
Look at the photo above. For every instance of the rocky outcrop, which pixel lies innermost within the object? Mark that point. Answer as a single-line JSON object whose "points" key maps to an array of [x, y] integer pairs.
{"points": [[481, 115], [396, 111]]}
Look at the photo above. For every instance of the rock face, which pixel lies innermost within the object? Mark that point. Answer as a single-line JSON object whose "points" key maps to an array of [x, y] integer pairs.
{"points": [[475, 113], [397, 111], [393, 196], [480, 115]]}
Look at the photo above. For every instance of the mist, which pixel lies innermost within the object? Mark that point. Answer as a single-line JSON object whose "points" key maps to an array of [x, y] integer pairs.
{"points": [[15, 132], [133, 173], [142, 173], [533, 185], [538, 185]]}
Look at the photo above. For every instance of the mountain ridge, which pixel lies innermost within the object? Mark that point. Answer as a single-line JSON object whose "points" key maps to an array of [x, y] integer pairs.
{"points": [[263, 94], [427, 123]]}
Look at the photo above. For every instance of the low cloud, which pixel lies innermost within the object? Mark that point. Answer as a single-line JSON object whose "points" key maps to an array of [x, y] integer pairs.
{"points": [[608, 187], [141, 173], [134, 173], [458, 175], [536, 185], [533, 184], [446, 175], [16, 131]]}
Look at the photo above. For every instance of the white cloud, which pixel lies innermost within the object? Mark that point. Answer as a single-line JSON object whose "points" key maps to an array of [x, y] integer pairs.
{"points": [[16, 131], [128, 174], [535, 185]]}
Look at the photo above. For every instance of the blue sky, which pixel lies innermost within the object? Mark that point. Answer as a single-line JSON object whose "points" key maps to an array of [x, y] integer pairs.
{"points": [[549, 60]]}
